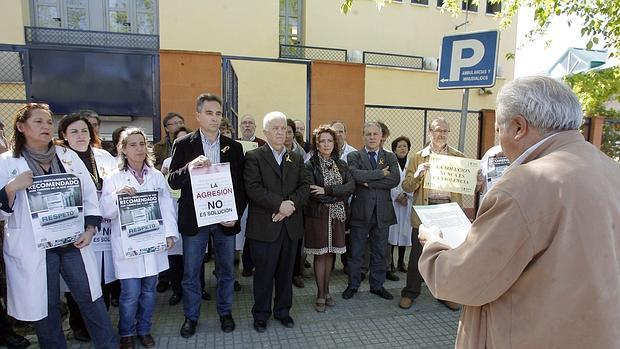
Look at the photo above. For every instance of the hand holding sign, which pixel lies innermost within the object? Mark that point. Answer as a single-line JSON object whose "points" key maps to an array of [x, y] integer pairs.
{"points": [[201, 161]]}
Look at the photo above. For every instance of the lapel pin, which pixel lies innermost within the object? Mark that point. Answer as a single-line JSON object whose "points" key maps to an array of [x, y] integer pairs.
{"points": [[225, 149], [14, 172], [288, 157], [68, 162], [381, 161]]}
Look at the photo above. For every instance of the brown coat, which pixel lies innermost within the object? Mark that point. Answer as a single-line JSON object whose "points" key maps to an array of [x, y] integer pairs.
{"points": [[415, 185], [540, 267]]}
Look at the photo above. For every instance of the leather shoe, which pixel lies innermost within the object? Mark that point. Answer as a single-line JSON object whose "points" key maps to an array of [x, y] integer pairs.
{"points": [[162, 286], [114, 302], [247, 272], [363, 277], [298, 281], [391, 276], [147, 341], [126, 342], [15, 341], [227, 323], [174, 299], [237, 286], [405, 303], [383, 293], [189, 328], [349, 292], [260, 326], [206, 295], [287, 321], [81, 334], [450, 305]]}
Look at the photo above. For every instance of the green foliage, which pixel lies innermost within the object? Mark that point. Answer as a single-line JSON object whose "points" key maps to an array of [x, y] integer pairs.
{"points": [[595, 88]]}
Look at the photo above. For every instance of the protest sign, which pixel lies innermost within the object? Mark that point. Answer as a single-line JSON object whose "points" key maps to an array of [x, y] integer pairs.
{"points": [[452, 174], [55, 204], [214, 196], [142, 226]]}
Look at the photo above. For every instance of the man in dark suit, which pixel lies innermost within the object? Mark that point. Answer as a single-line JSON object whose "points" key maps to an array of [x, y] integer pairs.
{"points": [[205, 147], [277, 184], [375, 172], [248, 130]]}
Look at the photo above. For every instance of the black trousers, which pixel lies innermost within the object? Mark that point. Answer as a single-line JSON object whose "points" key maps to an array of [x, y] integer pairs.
{"points": [[414, 278], [5, 327], [274, 262]]}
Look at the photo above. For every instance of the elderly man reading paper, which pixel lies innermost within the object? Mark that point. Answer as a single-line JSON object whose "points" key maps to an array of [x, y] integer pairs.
{"points": [[539, 267]]}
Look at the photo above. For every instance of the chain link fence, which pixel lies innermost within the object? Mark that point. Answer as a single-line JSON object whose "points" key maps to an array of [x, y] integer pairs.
{"points": [[90, 38], [12, 86], [412, 122], [393, 60], [313, 53]]}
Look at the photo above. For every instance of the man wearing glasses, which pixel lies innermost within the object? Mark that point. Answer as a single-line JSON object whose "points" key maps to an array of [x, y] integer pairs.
{"points": [[438, 132], [162, 150]]}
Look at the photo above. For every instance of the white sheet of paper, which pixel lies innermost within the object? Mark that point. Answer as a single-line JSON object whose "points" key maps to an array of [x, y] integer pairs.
{"points": [[450, 219]]}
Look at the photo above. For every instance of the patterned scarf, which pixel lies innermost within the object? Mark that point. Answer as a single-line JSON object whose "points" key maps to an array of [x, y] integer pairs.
{"points": [[331, 176], [34, 160]]}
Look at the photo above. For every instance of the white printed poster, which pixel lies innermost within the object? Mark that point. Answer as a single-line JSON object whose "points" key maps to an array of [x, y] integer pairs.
{"points": [[448, 218], [55, 204], [142, 226], [101, 241], [214, 196], [452, 174]]}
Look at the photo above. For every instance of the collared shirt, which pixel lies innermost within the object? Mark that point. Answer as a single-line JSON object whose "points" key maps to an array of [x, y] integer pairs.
{"points": [[344, 152], [211, 149], [527, 152], [276, 155], [139, 175], [251, 139], [438, 194]]}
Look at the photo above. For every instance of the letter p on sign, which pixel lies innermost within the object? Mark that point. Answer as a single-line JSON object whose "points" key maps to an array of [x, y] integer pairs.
{"points": [[459, 48]]}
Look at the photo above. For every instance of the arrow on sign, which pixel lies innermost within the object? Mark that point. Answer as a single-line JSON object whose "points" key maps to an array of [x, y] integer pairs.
{"points": [[444, 80]]}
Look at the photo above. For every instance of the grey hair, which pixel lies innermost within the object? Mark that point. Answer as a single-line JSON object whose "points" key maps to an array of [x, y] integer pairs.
{"points": [[437, 120], [372, 123], [546, 103], [271, 116]]}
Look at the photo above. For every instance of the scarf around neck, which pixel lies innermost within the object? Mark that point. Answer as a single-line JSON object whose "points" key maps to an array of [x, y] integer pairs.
{"points": [[34, 159]]}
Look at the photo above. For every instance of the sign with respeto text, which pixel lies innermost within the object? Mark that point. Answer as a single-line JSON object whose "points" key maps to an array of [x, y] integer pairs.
{"points": [[55, 204], [452, 174], [142, 226], [214, 195]]}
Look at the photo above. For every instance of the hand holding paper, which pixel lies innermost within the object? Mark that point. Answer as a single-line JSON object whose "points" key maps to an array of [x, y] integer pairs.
{"points": [[446, 221]]}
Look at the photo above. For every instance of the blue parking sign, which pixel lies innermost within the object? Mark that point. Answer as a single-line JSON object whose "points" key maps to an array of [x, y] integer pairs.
{"points": [[468, 60]]}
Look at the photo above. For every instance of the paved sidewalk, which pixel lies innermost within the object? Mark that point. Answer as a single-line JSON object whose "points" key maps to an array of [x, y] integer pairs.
{"points": [[365, 321]]}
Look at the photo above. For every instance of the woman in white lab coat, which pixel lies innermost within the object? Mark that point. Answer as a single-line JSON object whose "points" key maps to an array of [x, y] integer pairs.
{"points": [[400, 233], [138, 275], [76, 132], [32, 274]]}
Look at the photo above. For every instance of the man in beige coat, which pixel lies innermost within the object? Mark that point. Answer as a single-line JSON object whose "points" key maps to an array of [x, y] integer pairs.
{"points": [[540, 267]]}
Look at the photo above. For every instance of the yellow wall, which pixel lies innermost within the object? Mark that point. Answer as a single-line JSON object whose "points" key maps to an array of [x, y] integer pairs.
{"points": [[266, 87], [400, 28], [247, 28], [13, 16]]}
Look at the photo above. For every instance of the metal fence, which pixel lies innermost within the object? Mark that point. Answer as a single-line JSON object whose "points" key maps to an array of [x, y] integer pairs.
{"points": [[90, 38], [393, 60], [413, 122], [313, 53], [230, 87], [12, 83]]}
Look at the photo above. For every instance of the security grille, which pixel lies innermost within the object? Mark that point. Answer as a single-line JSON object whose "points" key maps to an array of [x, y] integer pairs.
{"points": [[313, 53], [393, 60], [12, 86], [89, 38]]}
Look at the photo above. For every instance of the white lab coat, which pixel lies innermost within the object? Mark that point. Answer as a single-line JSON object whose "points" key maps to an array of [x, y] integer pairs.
{"points": [[26, 268], [400, 233], [106, 165], [149, 264]]}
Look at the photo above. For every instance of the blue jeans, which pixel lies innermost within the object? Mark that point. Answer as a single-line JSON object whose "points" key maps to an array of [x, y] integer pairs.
{"points": [[136, 305], [67, 261], [193, 254]]}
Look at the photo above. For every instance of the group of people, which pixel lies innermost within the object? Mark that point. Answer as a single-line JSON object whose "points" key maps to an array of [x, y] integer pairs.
{"points": [[526, 267]]}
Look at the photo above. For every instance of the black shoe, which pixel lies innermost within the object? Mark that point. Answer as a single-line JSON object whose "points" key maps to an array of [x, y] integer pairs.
{"points": [[206, 295], [287, 321], [189, 328], [383, 293], [174, 299], [247, 272], [227, 323], [391, 276], [298, 281], [363, 277], [349, 292], [307, 264], [260, 326], [162, 286], [81, 335], [237, 286], [15, 341], [114, 302]]}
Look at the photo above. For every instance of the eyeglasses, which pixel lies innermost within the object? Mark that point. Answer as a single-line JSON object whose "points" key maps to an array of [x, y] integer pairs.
{"points": [[176, 123], [441, 131]]}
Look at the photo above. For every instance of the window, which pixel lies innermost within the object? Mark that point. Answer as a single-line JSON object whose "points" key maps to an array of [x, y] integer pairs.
{"points": [[420, 2], [493, 8], [468, 5], [127, 16], [439, 3], [291, 22]]}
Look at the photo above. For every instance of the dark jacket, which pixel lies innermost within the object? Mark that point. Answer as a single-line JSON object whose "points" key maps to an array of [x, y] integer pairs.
{"points": [[333, 193], [186, 149], [267, 185]]}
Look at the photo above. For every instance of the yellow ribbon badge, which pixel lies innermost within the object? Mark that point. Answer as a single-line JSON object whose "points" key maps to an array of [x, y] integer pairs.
{"points": [[225, 149], [288, 158], [381, 161]]}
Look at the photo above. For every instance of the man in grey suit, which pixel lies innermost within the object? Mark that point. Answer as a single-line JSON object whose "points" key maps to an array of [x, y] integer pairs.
{"points": [[375, 172]]}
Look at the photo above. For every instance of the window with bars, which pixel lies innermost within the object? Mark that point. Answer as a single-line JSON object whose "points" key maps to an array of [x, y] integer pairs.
{"points": [[493, 8], [291, 22]]}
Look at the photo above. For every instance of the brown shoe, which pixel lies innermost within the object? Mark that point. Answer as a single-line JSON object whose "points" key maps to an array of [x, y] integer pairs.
{"points": [[298, 281], [127, 342], [147, 341], [405, 303], [450, 305]]}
